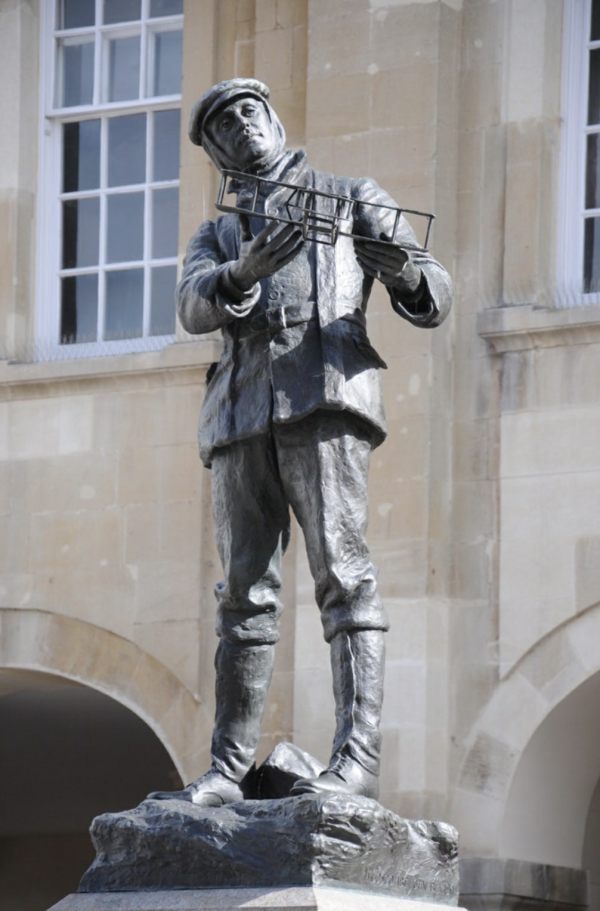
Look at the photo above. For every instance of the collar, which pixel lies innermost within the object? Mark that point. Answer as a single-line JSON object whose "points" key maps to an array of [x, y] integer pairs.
{"points": [[289, 168]]}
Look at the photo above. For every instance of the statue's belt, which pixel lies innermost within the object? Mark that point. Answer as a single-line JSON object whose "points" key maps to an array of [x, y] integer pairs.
{"points": [[276, 319]]}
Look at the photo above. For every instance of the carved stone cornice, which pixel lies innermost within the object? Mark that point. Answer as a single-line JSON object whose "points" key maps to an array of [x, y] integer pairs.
{"points": [[20, 378], [523, 328]]}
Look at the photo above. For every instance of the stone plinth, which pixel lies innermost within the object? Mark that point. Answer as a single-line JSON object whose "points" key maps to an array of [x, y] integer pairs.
{"points": [[308, 840], [292, 898], [501, 884]]}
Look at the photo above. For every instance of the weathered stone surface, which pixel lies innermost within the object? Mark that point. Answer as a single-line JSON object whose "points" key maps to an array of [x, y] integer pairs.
{"points": [[305, 840], [491, 883]]}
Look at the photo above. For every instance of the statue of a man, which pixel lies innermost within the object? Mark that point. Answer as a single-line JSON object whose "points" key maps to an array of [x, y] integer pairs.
{"points": [[291, 414]]}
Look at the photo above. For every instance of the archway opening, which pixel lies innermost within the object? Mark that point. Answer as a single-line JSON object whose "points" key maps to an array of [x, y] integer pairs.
{"points": [[552, 792], [67, 753], [591, 849]]}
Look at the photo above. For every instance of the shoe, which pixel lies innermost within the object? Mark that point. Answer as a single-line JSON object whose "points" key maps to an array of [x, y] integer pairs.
{"points": [[344, 776], [213, 789]]}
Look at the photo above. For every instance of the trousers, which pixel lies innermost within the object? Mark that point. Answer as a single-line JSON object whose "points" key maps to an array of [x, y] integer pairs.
{"points": [[316, 467]]}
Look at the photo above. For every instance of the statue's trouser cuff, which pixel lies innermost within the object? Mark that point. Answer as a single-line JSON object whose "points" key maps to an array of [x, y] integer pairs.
{"points": [[319, 467]]}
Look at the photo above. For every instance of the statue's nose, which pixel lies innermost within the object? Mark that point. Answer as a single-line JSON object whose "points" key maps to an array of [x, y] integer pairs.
{"points": [[243, 125]]}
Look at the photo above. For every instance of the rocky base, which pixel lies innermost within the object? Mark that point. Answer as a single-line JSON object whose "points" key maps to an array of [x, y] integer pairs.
{"points": [[272, 840], [301, 840]]}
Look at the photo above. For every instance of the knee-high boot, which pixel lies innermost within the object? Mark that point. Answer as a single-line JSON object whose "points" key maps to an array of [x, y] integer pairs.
{"points": [[243, 674], [357, 662]]}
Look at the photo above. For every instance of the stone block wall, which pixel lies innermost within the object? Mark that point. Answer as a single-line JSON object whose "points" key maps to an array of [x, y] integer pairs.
{"points": [[105, 495]]}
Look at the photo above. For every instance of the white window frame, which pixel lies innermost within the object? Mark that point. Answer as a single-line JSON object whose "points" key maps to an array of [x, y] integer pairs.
{"points": [[47, 344], [575, 77]]}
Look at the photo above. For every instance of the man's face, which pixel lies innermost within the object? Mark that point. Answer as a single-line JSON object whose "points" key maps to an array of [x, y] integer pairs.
{"points": [[243, 130]]}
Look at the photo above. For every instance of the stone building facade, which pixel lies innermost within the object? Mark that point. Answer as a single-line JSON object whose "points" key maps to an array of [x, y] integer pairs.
{"points": [[485, 499]]}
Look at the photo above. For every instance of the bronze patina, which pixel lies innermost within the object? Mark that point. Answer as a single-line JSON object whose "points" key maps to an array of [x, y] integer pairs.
{"points": [[292, 412]]}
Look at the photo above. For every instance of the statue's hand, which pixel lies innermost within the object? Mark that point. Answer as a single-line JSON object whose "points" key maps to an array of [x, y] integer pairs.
{"points": [[239, 311], [391, 264], [265, 254]]}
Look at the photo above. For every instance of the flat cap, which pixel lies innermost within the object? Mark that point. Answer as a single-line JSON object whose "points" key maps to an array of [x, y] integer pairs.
{"points": [[217, 97]]}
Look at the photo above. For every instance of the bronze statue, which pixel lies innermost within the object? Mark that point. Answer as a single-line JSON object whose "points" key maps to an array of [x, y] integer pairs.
{"points": [[292, 411]]}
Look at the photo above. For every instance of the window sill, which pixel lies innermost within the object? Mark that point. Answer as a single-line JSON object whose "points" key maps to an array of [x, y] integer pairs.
{"points": [[525, 328], [174, 358]]}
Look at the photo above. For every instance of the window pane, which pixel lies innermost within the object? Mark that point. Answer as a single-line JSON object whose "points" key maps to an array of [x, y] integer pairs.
{"points": [[126, 150], [166, 79], [121, 11], [76, 13], [123, 316], [595, 29], [125, 230], [592, 173], [81, 156], [166, 7], [165, 156], [79, 309], [123, 68], [76, 72], [164, 221], [81, 220], [162, 300], [591, 264], [594, 95]]}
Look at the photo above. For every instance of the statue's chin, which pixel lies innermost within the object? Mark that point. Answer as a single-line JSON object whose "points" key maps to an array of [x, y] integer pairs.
{"points": [[259, 162], [259, 158]]}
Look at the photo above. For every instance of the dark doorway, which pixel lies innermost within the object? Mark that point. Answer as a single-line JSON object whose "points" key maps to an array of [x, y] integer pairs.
{"points": [[67, 753]]}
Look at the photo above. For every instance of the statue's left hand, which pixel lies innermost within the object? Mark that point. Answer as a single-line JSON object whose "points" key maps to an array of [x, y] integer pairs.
{"points": [[391, 264]]}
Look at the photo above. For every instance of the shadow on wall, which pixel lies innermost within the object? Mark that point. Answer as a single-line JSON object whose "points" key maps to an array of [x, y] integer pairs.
{"points": [[67, 753]]}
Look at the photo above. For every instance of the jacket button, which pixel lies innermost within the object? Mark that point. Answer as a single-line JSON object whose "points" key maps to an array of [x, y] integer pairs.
{"points": [[274, 295]]}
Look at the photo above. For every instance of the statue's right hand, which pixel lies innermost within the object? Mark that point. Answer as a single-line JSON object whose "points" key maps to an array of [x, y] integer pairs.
{"points": [[265, 254], [241, 310]]}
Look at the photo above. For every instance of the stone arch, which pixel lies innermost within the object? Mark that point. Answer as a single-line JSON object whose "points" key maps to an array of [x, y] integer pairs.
{"points": [[523, 722], [98, 658]]}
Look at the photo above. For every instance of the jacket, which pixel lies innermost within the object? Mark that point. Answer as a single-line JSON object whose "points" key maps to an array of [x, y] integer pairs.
{"points": [[280, 369]]}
